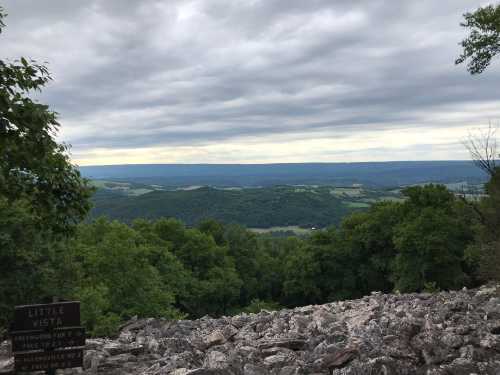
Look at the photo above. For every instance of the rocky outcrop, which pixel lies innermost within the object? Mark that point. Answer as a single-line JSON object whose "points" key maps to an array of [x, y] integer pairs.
{"points": [[445, 333]]}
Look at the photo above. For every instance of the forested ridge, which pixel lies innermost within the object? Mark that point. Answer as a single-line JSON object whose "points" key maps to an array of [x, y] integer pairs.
{"points": [[254, 208]]}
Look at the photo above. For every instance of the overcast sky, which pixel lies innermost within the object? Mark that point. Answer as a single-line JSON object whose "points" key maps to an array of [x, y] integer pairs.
{"points": [[226, 81]]}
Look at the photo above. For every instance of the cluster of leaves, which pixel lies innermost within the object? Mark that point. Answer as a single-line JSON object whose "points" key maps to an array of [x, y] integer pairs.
{"points": [[483, 42]]}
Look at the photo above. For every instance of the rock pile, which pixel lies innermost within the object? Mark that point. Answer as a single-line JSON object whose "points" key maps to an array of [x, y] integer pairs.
{"points": [[444, 333]]}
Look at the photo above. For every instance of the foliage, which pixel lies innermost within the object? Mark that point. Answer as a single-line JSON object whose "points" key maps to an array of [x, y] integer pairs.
{"points": [[430, 240], [487, 244], [483, 42], [479, 48], [95, 310], [490, 207], [163, 268], [253, 207], [23, 256], [105, 252], [42, 196], [368, 237], [243, 247], [431, 287], [33, 166]]}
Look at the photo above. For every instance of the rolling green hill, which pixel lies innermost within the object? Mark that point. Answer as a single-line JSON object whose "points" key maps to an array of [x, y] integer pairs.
{"points": [[279, 206]]}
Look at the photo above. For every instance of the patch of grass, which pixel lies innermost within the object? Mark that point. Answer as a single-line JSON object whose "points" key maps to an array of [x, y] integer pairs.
{"points": [[356, 204], [136, 192], [347, 192], [98, 183], [391, 199], [290, 228]]}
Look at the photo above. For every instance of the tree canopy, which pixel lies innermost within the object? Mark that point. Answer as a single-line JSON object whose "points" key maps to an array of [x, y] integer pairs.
{"points": [[483, 42], [33, 166]]}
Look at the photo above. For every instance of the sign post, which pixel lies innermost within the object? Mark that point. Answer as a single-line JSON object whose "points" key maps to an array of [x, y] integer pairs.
{"points": [[47, 337]]}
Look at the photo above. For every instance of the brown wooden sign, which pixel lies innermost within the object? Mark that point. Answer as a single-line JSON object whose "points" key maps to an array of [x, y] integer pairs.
{"points": [[40, 332], [42, 317], [39, 361], [41, 340]]}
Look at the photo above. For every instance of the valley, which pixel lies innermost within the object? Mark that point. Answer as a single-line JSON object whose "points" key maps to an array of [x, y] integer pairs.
{"points": [[277, 210]]}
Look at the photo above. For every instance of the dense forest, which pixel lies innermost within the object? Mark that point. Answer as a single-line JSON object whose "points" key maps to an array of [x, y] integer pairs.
{"points": [[431, 240], [277, 206], [298, 208]]}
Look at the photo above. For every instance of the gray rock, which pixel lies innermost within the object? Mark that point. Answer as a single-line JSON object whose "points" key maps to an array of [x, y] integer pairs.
{"points": [[445, 333], [214, 338], [250, 369], [216, 359], [290, 343]]}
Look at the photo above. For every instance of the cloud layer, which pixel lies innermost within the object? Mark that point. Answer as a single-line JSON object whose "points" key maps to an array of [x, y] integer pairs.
{"points": [[255, 80]]}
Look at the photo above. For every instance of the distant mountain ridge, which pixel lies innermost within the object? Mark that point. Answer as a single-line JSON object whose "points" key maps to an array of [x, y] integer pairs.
{"points": [[377, 174]]}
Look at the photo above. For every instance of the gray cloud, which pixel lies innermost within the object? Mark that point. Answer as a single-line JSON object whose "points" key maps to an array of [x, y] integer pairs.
{"points": [[140, 74]]}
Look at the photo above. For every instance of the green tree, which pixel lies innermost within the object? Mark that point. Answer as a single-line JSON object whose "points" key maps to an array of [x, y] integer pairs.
{"points": [[368, 238], [486, 249], [23, 257], [270, 258], [213, 228], [483, 42], [430, 240], [302, 269], [479, 48], [117, 276], [243, 248], [172, 231], [42, 195], [33, 166]]}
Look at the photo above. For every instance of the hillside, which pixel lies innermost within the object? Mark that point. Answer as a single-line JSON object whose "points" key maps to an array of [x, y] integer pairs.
{"points": [[445, 333], [279, 206]]}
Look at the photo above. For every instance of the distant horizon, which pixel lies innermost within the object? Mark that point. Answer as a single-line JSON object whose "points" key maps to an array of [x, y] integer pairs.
{"points": [[282, 163], [392, 173]]}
